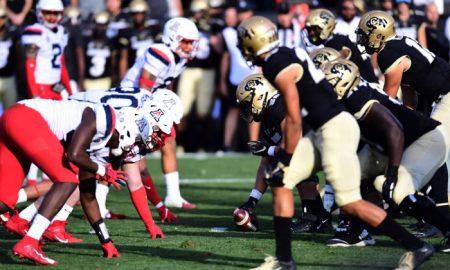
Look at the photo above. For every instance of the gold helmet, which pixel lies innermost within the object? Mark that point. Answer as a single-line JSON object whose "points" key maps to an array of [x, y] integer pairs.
{"points": [[102, 17], [322, 22], [257, 35], [375, 28], [253, 94], [138, 6], [3, 13], [342, 74], [324, 55], [198, 5]]}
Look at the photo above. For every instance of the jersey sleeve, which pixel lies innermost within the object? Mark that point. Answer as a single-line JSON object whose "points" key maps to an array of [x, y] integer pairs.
{"points": [[156, 60], [32, 35], [358, 103], [387, 57]]}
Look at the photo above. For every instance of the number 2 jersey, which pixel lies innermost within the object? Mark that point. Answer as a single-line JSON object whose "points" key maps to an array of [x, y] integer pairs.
{"points": [[158, 60], [428, 75], [318, 101], [51, 46], [63, 118]]}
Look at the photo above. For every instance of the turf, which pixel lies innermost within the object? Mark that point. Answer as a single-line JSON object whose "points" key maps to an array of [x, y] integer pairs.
{"points": [[192, 245]]}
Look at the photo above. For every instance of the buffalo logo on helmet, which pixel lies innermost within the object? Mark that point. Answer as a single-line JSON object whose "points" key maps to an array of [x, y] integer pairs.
{"points": [[325, 16], [339, 68], [320, 58], [245, 220], [157, 114], [252, 84], [375, 22]]}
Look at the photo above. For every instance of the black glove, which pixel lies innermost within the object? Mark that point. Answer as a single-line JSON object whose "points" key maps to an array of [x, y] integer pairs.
{"points": [[258, 148], [274, 172], [249, 205], [389, 185]]}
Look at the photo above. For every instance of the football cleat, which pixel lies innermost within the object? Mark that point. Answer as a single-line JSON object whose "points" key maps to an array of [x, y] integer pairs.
{"points": [[56, 232], [413, 259], [245, 220], [424, 230], [17, 225], [445, 244], [179, 203], [112, 215], [311, 223], [110, 250], [272, 263], [346, 239], [26, 249], [166, 215]]}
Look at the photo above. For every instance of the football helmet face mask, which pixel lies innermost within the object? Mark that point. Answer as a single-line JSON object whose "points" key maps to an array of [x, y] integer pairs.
{"points": [[50, 13], [342, 74], [320, 24], [374, 29], [133, 127], [161, 124], [171, 101], [253, 94], [324, 55], [256, 36], [181, 36]]}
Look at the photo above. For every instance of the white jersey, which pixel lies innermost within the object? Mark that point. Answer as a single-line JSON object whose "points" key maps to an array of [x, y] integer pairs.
{"points": [[158, 60], [118, 97], [63, 117], [51, 47]]}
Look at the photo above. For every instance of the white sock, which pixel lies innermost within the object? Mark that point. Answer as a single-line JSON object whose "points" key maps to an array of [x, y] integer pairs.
{"points": [[33, 172], [172, 185], [22, 196], [64, 213], [101, 193], [40, 224], [29, 212]]}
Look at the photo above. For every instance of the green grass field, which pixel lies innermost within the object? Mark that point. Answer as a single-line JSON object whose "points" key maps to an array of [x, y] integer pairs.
{"points": [[191, 244]]}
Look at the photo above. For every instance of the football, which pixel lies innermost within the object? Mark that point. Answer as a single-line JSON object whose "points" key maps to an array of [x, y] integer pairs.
{"points": [[245, 221]]}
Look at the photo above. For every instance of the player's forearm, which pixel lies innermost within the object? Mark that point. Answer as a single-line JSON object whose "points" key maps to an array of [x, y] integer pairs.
{"points": [[293, 134]]}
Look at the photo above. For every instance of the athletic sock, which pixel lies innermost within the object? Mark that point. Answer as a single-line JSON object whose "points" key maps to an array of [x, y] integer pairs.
{"points": [[64, 213], [140, 203], [22, 196], [314, 207], [32, 174], [38, 227], [29, 212], [150, 190], [282, 226], [392, 229], [101, 192], [173, 185]]}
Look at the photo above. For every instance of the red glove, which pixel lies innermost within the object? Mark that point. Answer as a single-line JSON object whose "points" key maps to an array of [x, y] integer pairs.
{"points": [[166, 215], [110, 175], [109, 250], [155, 231]]}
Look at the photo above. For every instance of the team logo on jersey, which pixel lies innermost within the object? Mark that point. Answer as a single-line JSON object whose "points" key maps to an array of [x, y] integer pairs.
{"points": [[157, 114]]}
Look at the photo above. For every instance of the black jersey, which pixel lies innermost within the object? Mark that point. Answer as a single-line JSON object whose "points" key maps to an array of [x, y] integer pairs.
{"points": [[137, 42], [318, 101], [271, 122], [8, 52], [414, 123], [338, 41], [428, 75], [98, 57]]}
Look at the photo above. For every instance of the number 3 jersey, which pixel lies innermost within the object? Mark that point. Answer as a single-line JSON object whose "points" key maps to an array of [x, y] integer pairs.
{"points": [[158, 60], [63, 118], [51, 46], [428, 75]]}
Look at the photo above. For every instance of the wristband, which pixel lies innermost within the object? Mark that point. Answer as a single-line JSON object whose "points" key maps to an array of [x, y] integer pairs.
{"points": [[101, 170], [256, 194], [271, 151]]}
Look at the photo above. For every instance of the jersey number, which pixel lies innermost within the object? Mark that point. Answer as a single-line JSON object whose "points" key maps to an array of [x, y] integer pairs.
{"points": [[425, 52], [56, 60], [97, 66]]}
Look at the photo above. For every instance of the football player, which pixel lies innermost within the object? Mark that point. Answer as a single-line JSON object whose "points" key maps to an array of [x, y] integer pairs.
{"points": [[259, 101], [156, 69], [402, 133], [332, 143], [64, 133]]}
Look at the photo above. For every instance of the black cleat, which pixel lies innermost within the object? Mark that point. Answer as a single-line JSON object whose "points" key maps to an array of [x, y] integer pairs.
{"points": [[413, 259], [311, 223], [445, 244], [347, 239]]}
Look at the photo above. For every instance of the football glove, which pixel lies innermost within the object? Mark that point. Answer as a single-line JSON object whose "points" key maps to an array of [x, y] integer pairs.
{"points": [[258, 148], [109, 250], [111, 176], [389, 185], [166, 215], [155, 231], [248, 205], [275, 171]]}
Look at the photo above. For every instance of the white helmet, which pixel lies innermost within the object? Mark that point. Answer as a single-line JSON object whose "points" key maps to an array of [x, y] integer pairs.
{"points": [[50, 6], [160, 121], [172, 101], [177, 29], [132, 125]]}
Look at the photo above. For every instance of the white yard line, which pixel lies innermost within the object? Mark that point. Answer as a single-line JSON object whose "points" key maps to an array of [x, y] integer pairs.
{"points": [[215, 180]]}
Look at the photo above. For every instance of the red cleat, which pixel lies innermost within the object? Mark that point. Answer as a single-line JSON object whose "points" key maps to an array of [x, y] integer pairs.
{"points": [[112, 215], [166, 215], [28, 248], [56, 232], [4, 218], [17, 225], [109, 250], [188, 205]]}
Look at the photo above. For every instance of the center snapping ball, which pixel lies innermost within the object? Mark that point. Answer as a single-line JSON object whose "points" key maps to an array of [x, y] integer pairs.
{"points": [[245, 221]]}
